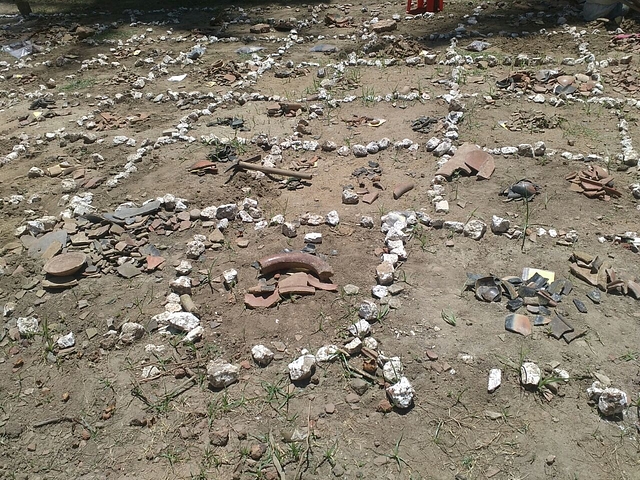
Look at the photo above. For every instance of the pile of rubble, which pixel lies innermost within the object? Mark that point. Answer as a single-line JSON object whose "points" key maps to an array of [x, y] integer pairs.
{"points": [[593, 182]]}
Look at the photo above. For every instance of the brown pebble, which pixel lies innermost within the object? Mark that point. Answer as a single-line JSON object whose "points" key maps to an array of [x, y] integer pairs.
{"points": [[330, 408], [431, 354], [66, 397], [384, 406], [31, 447], [85, 434], [257, 450]]}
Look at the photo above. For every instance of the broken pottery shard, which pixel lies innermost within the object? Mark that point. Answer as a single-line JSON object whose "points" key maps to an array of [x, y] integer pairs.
{"points": [[571, 336], [65, 264], [221, 375], [39, 246], [584, 274], [127, 270], [594, 296], [530, 374], [559, 327], [495, 379], [298, 279], [297, 290], [634, 289], [128, 212], [296, 260], [260, 301], [582, 308], [316, 283], [59, 282], [517, 323]]}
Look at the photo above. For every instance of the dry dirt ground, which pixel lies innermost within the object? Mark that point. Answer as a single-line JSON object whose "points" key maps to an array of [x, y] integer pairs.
{"points": [[88, 412]]}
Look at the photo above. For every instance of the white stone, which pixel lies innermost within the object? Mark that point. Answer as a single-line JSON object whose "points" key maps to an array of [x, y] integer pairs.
{"points": [[379, 291], [150, 371], [442, 148], [372, 148], [359, 150], [612, 401], [66, 341], [313, 237], [495, 379], [360, 329], [195, 248], [475, 229], [353, 347], [366, 222], [221, 375], [530, 374], [370, 343], [261, 355], [332, 218], [35, 172], [397, 247], [442, 206], [184, 268], [208, 213], [194, 335], [401, 394], [350, 289], [131, 331], [302, 368], [230, 277], [392, 370], [8, 309], [228, 211], [384, 273], [183, 321], [327, 353], [432, 144], [499, 225], [539, 98], [68, 185], [456, 227], [595, 390], [368, 310], [181, 285], [27, 325], [349, 197], [289, 229]]}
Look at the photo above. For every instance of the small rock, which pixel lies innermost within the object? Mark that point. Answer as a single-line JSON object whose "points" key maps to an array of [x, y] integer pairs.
{"points": [[392, 370], [289, 229], [495, 379], [530, 374], [230, 277], [350, 289], [221, 375], [349, 197], [401, 394], [67, 341], [612, 401], [475, 229], [302, 368], [181, 285], [368, 310], [360, 329], [257, 450], [27, 326], [359, 386], [262, 355], [359, 150], [332, 219], [499, 225], [219, 438], [131, 331]]}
